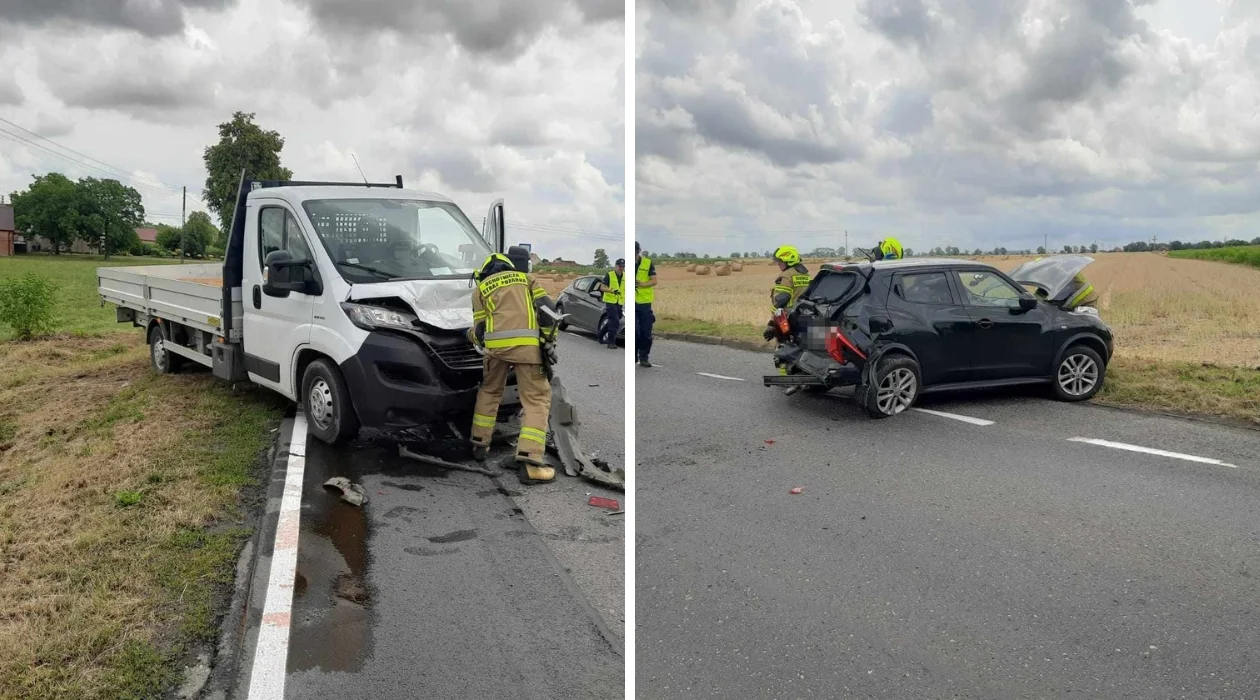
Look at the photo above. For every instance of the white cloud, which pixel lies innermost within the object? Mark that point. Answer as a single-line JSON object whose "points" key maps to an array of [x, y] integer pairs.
{"points": [[536, 118], [983, 123]]}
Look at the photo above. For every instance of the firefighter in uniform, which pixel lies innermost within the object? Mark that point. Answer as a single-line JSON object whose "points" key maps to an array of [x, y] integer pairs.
{"points": [[889, 249], [1082, 294], [614, 298], [791, 283], [506, 322]]}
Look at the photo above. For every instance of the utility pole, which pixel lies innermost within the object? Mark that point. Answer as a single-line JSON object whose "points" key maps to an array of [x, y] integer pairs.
{"points": [[846, 243], [183, 226]]}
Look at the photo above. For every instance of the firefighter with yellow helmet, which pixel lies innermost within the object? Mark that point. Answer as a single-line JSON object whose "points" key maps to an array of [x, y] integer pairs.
{"points": [[506, 325], [889, 249], [1082, 292], [788, 286]]}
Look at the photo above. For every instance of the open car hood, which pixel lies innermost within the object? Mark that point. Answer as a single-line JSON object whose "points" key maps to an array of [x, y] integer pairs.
{"points": [[1052, 273], [445, 304]]}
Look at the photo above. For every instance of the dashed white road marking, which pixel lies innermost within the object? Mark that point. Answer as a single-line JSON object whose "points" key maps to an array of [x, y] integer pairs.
{"points": [[720, 376], [266, 680], [955, 416], [1153, 451]]}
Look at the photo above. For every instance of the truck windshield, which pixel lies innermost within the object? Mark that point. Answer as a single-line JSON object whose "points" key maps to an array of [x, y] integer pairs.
{"points": [[373, 240]]}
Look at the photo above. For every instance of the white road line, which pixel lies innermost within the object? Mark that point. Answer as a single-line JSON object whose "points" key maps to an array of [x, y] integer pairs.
{"points": [[955, 416], [1153, 451], [266, 681], [719, 376]]}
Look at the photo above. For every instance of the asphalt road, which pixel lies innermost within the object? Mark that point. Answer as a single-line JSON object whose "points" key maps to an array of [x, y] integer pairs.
{"points": [[927, 557], [450, 584]]}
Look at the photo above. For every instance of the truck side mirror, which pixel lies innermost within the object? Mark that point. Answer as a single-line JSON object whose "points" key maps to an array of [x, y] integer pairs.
{"points": [[282, 274]]}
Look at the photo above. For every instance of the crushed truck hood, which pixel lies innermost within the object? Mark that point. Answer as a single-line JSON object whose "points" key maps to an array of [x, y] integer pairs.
{"points": [[446, 304], [1052, 273]]}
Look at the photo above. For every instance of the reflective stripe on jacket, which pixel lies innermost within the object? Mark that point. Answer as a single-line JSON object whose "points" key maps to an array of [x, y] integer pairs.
{"points": [[643, 295], [789, 287]]}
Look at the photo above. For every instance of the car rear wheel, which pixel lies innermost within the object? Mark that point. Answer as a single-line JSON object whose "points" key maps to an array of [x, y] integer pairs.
{"points": [[1079, 375], [330, 416], [895, 389]]}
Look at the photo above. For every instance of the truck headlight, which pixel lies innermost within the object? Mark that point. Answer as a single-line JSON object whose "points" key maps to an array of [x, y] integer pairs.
{"points": [[370, 318]]}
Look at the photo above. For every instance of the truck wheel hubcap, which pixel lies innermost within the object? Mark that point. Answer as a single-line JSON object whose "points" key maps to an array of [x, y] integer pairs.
{"points": [[159, 354], [321, 403], [1078, 374], [896, 391]]}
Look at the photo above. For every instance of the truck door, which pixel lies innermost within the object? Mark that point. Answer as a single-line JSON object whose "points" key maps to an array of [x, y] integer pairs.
{"points": [[275, 327], [494, 230]]}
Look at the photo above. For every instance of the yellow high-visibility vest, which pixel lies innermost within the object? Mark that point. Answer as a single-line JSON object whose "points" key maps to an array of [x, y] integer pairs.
{"points": [[612, 293], [643, 295]]}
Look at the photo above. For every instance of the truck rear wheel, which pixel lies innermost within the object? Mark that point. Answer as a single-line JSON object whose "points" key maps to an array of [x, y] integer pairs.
{"points": [[330, 416], [163, 362]]}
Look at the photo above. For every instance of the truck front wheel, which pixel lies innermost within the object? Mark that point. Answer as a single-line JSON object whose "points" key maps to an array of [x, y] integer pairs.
{"points": [[330, 416], [164, 362]]}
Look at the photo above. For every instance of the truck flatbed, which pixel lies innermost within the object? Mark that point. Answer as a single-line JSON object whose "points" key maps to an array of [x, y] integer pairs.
{"points": [[188, 294]]}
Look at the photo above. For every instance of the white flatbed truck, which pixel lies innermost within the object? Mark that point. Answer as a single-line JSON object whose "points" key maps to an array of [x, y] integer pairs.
{"points": [[351, 298]]}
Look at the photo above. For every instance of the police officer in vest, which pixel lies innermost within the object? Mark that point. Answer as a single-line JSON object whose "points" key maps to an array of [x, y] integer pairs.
{"points": [[506, 320], [614, 299], [644, 295], [788, 286]]}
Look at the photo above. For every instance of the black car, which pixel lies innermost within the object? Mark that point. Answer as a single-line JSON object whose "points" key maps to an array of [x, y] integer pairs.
{"points": [[898, 329], [583, 301]]}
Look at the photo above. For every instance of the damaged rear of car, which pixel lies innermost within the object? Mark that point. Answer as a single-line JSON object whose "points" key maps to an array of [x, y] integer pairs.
{"points": [[897, 329]]}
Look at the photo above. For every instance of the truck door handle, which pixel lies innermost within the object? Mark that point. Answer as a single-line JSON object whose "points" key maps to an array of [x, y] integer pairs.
{"points": [[257, 297], [985, 323]]}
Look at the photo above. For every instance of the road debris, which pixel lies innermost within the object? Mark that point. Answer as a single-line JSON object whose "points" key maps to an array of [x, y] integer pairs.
{"points": [[438, 462], [797, 491], [350, 493], [600, 502], [562, 441]]}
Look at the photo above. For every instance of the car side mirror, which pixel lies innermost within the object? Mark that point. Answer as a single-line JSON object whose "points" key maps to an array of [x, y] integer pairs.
{"points": [[1027, 302], [597, 293], [282, 274]]}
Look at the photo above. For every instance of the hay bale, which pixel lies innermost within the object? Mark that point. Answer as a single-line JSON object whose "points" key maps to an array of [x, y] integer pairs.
{"points": [[722, 270], [702, 269], [736, 267], [691, 267], [558, 278]]}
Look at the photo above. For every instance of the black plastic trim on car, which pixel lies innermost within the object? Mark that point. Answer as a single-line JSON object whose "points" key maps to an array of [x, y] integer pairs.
{"points": [[264, 368]]}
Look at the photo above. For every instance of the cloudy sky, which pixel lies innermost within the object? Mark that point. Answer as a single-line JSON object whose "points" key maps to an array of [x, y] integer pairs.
{"points": [[975, 123], [476, 99]]}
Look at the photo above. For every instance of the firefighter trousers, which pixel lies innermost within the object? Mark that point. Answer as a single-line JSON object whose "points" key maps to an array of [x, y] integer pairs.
{"points": [[535, 393]]}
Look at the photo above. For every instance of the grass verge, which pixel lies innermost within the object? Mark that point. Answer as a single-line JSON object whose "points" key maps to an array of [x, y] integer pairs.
{"points": [[121, 501], [1153, 385]]}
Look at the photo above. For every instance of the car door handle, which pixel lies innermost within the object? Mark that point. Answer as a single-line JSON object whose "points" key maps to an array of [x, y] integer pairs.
{"points": [[257, 297], [985, 323]]}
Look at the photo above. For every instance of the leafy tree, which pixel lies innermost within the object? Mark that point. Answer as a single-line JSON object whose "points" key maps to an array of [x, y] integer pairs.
{"points": [[242, 145], [953, 250], [168, 237], [978, 252], [735, 255], [1093, 248], [199, 234], [601, 257], [49, 208], [111, 208], [1041, 250], [1255, 241]]}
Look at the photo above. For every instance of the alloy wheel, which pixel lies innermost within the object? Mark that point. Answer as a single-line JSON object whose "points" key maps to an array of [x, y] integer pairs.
{"points": [[1078, 374], [896, 391]]}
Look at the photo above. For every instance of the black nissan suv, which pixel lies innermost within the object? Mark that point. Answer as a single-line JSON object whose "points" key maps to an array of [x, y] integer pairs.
{"points": [[898, 329]]}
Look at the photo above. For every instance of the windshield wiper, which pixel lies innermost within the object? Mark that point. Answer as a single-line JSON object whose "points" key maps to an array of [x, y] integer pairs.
{"points": [[367, 268]]}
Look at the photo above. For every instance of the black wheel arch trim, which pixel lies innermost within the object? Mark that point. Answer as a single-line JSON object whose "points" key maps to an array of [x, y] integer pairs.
{"points": [[1091, 340]]}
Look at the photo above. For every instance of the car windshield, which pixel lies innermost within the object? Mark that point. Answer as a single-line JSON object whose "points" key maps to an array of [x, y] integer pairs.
{"points": [[374, 240]]}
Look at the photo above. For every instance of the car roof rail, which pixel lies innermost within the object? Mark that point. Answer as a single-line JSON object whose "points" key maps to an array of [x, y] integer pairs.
{"points": [[260, 184]]}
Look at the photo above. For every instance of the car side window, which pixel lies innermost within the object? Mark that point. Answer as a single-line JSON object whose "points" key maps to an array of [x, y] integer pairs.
{"points": [[987, 289], [279, 230], [926, 288], [584, 284]]}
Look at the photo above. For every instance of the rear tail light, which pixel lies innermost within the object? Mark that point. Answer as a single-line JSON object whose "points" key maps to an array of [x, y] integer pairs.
{"points": [[781, 323], [839, 345]]}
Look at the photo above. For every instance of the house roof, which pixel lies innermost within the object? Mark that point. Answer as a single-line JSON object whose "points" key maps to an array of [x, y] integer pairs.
{"points": [[147, 235], [6, 218]]}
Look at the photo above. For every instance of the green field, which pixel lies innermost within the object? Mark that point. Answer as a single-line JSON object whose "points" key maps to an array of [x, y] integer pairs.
{"points": [[79, 309], [121, 499], [1240, 255]]}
